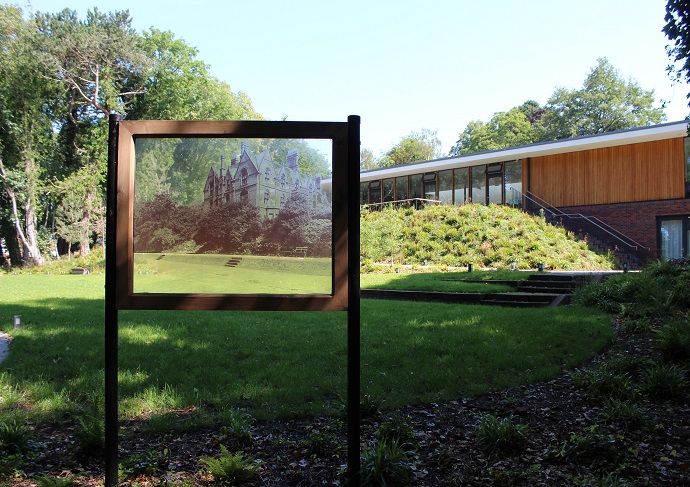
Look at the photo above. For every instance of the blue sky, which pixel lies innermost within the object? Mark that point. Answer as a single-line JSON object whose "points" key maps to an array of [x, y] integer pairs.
{"points": [[406, 65]]}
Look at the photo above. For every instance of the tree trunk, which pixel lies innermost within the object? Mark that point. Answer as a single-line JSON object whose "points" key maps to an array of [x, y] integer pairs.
{"points": [[28, 236], [84, 241]]}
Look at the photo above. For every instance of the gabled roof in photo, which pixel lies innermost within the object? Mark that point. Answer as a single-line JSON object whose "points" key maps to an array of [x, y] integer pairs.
{"points": [[588, 142]]}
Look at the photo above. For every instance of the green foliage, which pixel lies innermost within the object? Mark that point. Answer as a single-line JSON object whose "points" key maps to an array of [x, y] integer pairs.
{"points": [[660, 289], [500, 434], [665, 382], [15, 438], [625, 412], [44, 480], [89, 432], [513, 128], [231, 469], [164, 226], [673, 339], [323, 442], [493, 236], [147, 463], [238, 425], [599, 451], [398, 429], [416, 147], [676, 29], [385, 464]]}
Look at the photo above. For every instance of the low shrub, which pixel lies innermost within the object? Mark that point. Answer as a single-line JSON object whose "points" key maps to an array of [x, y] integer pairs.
{"points": [[231, 469], [500, 434], [385, 464]]}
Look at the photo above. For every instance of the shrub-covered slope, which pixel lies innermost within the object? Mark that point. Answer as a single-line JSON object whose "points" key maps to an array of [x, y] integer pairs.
{"points": [[491, 236]]}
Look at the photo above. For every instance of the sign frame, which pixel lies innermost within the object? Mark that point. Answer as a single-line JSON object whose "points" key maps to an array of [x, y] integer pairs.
{"points": [[119, 262]]}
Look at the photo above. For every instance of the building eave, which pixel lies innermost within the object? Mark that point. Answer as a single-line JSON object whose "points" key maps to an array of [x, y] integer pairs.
{"points": [[610, 139]]}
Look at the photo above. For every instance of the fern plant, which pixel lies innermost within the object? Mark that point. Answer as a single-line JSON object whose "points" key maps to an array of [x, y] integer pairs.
{"points": [[231, 469]]}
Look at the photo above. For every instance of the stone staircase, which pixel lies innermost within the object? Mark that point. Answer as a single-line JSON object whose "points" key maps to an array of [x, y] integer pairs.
{"points": [[233, 262], [539, 290]]}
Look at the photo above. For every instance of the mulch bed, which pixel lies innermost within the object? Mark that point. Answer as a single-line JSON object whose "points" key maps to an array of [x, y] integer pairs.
{"points": [[569, 442]]}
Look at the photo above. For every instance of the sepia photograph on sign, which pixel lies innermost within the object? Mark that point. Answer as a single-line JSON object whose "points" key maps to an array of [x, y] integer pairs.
{"points": [[232, 216]]}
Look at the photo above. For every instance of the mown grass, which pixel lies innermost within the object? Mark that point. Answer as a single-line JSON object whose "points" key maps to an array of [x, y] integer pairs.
{"points": [[273, 364], [461, 282], [207, 273]]}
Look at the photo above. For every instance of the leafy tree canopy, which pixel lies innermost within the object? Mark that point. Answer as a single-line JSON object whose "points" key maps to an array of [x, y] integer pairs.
{"points": [[418, 146], [606, 102], [677, 29]]}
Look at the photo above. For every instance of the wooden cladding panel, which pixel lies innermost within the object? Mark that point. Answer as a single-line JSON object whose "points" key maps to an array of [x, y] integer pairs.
{"points": [[636, 172]]}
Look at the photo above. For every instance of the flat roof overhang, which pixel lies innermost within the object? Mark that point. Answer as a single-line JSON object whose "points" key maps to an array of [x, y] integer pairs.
{"points": [[610, 139]]}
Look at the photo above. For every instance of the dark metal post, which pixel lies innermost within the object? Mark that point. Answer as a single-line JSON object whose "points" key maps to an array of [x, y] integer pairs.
{"points": [[353, 313], [111, 324]]}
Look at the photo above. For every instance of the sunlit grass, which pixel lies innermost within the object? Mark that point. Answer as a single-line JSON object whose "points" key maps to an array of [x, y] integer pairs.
{"points": [[273, 364]]}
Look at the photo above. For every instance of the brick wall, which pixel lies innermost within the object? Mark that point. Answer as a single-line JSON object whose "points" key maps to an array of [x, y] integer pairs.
{"points": [[636, 220]]}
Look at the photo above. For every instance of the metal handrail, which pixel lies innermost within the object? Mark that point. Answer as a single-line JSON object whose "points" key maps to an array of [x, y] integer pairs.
{"points": [[592, 220]]}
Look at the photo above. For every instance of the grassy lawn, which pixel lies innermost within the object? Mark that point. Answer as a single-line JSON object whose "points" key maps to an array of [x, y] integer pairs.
{"points": [[274, 364], [443, 281], [254, 274]]}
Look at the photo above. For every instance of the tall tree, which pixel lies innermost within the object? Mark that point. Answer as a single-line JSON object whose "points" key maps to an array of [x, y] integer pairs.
{"points": [[26, 129], [677, 29], [605, 103], [418, 146], [505, 129]]}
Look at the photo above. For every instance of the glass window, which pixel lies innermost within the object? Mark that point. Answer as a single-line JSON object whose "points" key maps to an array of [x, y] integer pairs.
{"points": [[416, 189], [461, 189], [671, 238], [388, 190], [429, 186], [363, 193], [401, 188], [245, 177], [513, 183], [478, 184], [375, 192], [495, 184], [445, 186]]}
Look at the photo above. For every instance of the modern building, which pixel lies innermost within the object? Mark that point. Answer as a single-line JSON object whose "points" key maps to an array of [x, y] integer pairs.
{"points": [[628, 190], [259, 180]]}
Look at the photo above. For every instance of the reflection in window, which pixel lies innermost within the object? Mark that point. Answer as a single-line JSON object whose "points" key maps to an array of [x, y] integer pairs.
{"points": [[388, 190], [430, 186], [375, 191], [513, 183], [461, 189], [478, 184], [445, 186], [267, 175], [267, 196], [401, 188], [363, 193], [416, 190]]}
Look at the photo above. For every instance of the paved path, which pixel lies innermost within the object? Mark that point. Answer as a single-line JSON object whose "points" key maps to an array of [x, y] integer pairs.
{"points": [[4, 345]]}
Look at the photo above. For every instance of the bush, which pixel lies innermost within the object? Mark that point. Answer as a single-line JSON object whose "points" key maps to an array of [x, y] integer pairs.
{"points": [[497, 434], [231, 469], [385, 464]]}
